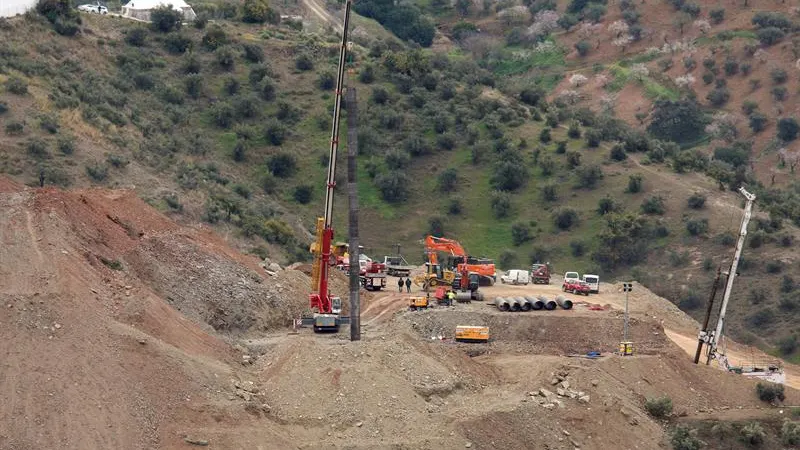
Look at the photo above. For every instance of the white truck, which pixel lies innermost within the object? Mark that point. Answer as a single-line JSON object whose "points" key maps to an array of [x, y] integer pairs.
{"points": [[593, 281], [516, 277], [572, 277]]}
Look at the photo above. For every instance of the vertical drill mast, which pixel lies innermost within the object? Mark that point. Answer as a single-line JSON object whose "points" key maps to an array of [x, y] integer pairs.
{"points": [[321, 299]]}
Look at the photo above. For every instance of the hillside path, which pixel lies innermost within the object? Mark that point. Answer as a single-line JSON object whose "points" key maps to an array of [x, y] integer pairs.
{"points": [[317, 7]]}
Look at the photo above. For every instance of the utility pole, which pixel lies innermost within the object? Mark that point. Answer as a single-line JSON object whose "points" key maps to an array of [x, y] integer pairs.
{"points": [[716, 338], [703, 337], [352, 194]]}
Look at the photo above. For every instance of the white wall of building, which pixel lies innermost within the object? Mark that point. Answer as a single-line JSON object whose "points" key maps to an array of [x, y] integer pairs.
{"points": [[10, 8]]}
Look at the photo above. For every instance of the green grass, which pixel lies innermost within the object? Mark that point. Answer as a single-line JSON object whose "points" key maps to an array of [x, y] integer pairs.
{"points": [[638, 59], [621, 77], [657, 91], [516, 65]]}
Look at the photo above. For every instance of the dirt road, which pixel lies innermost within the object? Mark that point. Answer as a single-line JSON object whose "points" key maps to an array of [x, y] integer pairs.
{"points": [[318, 9]]}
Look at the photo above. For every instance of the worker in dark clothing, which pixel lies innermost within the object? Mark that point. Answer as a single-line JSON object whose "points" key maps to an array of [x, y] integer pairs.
{"points": [[400, 285], [41, 177], [408, 285]]}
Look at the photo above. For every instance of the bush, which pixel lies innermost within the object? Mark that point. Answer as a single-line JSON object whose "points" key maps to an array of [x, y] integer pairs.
{"points": [[253, 53], [3, 107], [303, 194], [507, 259], [787, 284], [574, 131], [544, 135], [215, 38], [282, 165], [326, 81], [717, 15], [225, 57], [165, 19], [565, 218], [731, 66], [653, 205], [394, 186], [719, 96], [37, 148], [778, 75], [607, 205], [769, 36], [14, 128], [697, 227], [66, 145], [16, 85], [779, 93], [275, 133], [501, 204], [200, 21], [758, 122], [790, 433], [588, 176], [303, 62], [786, 240], [520, 233], [561, 147], [593, 138], [379, 96], [683, 438], [118, 161], [549, 193], [658, 407], [769, 392], [773, 267], [177, 43], [194, 85], [49, 123], [258, 11], [577, 248], [583, 47], [635, 183], [454, 207], [618, 153], [788, 129], [448, 180], [436, 226], [223, 114], [696, 201], [788, 345], [753, 434], [97, 171], [136, 37], [509, 176]]}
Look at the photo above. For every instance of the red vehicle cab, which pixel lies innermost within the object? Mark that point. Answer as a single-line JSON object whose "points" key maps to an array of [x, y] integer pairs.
{"points": [[576, 287]]}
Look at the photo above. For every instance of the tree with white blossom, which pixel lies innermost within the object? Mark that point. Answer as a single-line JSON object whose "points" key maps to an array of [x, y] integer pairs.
{"points": [[544, 23], [619, 28], [602, 80], [723, 126], [640, 71], [789, 158], [702, 25], [622, 42], [578, 80]]}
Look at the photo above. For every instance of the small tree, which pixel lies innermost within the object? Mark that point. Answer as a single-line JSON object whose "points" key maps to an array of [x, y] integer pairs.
{"points": [[583, 47], [769, 392], [304, 63], [520, 233], [717, 15], [683, 438], [565, 218], [448, 180], [544, 135], [258, 11], [303, 194], [165, 19], [696, 201], [635, 183], [697, 227], [753, 434], [653, 205], [501, 204], [788, 129]]}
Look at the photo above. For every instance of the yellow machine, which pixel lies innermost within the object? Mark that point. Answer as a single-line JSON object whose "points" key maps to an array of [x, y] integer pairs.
{"points": [[471, 333], [434, 276], [415, 303]]}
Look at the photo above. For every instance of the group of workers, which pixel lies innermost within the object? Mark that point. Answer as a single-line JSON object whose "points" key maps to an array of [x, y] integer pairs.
{"points": [[406, 283]]}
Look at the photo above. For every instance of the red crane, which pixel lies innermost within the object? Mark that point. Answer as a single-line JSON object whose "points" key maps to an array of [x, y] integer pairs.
{"points": [[328, 307]]}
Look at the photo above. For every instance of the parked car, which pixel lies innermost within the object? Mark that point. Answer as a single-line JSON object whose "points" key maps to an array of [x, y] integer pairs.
{"points": [[571, 276], [93, 8], [593, 281], [576, 287], [516, 277]]}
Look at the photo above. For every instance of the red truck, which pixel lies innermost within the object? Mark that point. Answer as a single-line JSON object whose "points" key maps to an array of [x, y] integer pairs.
{"points": [[373, 276], [576, 287], [540, 274]]}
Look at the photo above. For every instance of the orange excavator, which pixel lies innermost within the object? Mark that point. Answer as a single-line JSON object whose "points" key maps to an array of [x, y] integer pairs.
{"points": [[460, 260]]}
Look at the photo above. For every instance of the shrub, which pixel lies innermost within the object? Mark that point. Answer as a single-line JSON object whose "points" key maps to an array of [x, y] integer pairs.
{"points": [[225, 57], [165, 19], [788, 129], [282, 165], [171, 95], [549, 193], [393, 186], [544, 135], [66, 145], [16, 85], [326, 81], [258, 11], [501, 204], [719, 96], [454, 207], [696, 201], [788, 345], [223, 114], [242, 190], [779, 93], [303, 62], [275, 133], [112, 264], [194, 85], [177, 43], [758, 122], [253, 53], [583, 47], [506, 259], [136, 37], [786, 240], [606, 205], [778, 75], [3, 107], [697, 227], [753, 434], [653, 205], [635, 183], [214, 38], [200, 21], [658, 407], [769, 392], [14, 128], [97, 171], [367, 74], [448, 180], [717, 15], [787, 284], [49, 123], [588, 176], [769, 36], [773, 267], [683, 438], [790, 432], [593, 138], [561, 147], [565, 218], [618, 153], [509, 176], [303, 194], [117, 161], [574, 131], [520, 233], [379, 96], [37, 148], [731, 66]]}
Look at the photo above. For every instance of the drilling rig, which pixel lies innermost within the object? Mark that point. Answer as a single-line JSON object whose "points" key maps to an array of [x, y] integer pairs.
{"points": [[327, 307]]}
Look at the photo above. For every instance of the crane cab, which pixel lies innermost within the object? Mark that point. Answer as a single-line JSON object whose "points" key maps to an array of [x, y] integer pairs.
{"points": [[329, 322]]}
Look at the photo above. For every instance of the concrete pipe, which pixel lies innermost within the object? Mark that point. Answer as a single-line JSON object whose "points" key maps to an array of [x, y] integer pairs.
{"points": [[463, 297], [548, 304], [536, 304], [502, 304], [524, 303], [516, 305], [564, 302]]}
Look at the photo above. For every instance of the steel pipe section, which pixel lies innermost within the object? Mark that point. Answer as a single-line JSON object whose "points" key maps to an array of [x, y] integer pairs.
{"points": [[502, 304], [564, 302], [536, 304], [525, 305], [548, 304]]}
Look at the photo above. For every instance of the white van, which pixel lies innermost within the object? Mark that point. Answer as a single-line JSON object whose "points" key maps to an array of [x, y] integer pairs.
{"points": [[571, 277], [593, 281], [516, 277]]}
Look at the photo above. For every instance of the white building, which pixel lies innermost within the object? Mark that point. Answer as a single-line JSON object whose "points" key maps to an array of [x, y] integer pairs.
{"points": [[140, 9], [11, 8]]}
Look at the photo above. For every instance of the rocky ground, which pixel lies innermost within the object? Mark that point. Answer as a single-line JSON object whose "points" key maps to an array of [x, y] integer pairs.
{"points": [[122, 329]]}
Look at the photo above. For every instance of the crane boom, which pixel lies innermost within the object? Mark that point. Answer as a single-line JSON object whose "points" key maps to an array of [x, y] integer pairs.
{"points": [[321, 299]]}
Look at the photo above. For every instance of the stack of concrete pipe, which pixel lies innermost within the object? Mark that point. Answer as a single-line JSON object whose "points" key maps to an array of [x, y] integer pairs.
{"points": [[528, 303]]}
